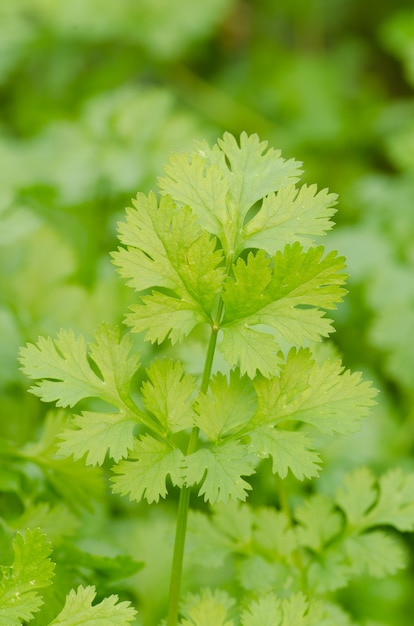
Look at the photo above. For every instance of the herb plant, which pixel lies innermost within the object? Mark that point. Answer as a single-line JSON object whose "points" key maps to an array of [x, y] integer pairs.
{"points": [[227, 260]]}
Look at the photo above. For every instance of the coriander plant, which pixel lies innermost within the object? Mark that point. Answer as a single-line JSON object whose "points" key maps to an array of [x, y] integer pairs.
{"points": [[226, 258]]}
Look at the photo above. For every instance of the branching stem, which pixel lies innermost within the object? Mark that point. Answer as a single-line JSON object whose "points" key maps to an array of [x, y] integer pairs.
{"points": [[183, 503]]}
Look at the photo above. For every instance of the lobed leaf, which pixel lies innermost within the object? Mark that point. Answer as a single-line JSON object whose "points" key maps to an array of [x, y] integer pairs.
{"points": [[78, 609], [390, 502], [30, 571], [97, 434], [326, 396], [288, 216], [167, 250], [227, 406], [207, 608], [220, 470], [65, 373], [167, 395], [223, 183], [280, 299], [145, 472], [289, 450]]}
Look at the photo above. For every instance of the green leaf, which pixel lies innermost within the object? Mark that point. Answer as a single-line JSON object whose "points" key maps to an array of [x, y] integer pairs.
{"points": [[220, 470], [167, 250], [282, 298], [63, 369], [290, 215], [266, 611], [227, 406], [269, 610], [167, 394], [78, 609], [390, 503], [318, 522], [357, 495], [65, 373], [375, 553], [329, 571], [207, 608], [67, 376], [96, 434], [30, 571], [273, 532], [222, 183], [326, 396], [145, 472], [289, 450]]}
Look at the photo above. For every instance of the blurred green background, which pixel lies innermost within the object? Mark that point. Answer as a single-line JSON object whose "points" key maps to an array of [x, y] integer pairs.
{"points": [[93, 98]]}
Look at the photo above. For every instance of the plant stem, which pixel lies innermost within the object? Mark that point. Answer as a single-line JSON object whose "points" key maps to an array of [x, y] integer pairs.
{"points": [[183, 503]]}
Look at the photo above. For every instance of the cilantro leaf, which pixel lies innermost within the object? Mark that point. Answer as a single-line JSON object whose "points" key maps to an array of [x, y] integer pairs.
{"points": [[318, 522], [220, 470], [326, 396], [207, 608], [167, 250], [30, 571], [66, 376], [96, 434], [376, 553], [289, 450], [145, 472], [269, 610], [222, 183], [284, 297], [390, 503], [63, 369], [78, 609], [290, 216], [266, 611], [227, 406], [167, 395]]}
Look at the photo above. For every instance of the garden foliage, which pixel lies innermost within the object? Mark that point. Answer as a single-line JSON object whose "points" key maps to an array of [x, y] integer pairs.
{"points": [[227, 395]]}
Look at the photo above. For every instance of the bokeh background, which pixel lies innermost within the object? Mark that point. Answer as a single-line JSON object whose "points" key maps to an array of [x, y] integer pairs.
{"points": [[94, 96]]}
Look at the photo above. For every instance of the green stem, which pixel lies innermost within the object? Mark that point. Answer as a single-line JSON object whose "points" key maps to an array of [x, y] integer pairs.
{"points": [[183, 503]]}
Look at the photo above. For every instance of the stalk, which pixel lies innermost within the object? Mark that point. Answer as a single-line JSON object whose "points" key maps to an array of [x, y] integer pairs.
{"points": [[183, 503]]}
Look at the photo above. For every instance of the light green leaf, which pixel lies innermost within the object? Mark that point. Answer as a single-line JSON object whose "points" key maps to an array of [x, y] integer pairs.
{"points": [[78, 609], [145, 472], [220, 470], [329, 572], [357, 495], [96, 434], [56, 522], [269, 610], [66, 376], [273, 532], [289, 450], [163, 316], [227, 406], [222, 183], [284, 298], [395, 503], [318, 522], [250, 350], [30, 571], [375, 553], [288, 216], [167, 394], [207, 608], [63, 369], [167, 250], [326, 396], [193, 180], [266, 611]]}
